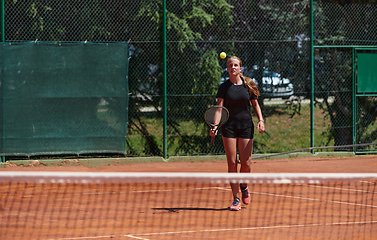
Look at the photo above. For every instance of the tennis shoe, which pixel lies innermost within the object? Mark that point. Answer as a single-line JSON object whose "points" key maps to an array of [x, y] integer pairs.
{"points": [[236, 205], [246, 196]]}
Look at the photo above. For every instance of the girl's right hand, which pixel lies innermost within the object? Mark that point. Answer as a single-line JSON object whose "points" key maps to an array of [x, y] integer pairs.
{"points": [[213, 132]]}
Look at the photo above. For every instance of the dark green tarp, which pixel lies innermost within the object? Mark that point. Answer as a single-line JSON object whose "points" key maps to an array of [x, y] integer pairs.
{"points": [[63, 98]]}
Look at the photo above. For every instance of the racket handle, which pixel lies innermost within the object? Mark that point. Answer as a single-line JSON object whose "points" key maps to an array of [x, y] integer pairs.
{"points": [[212, 141]]}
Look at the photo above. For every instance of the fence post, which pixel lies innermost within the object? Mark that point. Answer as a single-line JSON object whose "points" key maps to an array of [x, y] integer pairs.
{"points": [[311, 77], [2, 18], [165, 79], [2, 39]]}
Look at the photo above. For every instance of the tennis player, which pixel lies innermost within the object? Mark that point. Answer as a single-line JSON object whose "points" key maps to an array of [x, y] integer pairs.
{"points": [[236, 94]]}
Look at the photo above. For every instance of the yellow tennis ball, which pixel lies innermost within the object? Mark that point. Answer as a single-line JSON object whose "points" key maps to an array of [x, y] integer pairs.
{"points": [[223, 55]]}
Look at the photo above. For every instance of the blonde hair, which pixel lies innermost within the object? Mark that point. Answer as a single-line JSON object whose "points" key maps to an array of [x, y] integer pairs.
{"points": [[249, 83]]}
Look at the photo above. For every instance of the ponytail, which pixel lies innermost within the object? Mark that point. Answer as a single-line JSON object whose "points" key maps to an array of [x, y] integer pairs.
{"points": [[250, 85]]}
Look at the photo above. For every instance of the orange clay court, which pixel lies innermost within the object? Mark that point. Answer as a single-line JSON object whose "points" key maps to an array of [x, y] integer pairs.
{"points": [[193, 211]]}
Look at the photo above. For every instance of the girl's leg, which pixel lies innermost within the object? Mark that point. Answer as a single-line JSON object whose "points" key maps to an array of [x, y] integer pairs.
{"points": [[245, 148], [230, 145]]}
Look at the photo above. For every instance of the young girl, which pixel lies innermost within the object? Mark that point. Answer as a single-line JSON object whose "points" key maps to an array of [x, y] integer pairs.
{"points": [[236, 94]]}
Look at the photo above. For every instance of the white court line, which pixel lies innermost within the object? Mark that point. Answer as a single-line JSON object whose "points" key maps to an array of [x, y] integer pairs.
{"points": [[95, 237], [280, 195], [289, 196], [78, 238], [146, 191], [342, 189], [171, 190], [315, 199], [131, 236], [135, 236], [255, 228]]}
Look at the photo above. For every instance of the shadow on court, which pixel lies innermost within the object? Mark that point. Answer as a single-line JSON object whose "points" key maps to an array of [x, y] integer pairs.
{"points": [[191, 209]]}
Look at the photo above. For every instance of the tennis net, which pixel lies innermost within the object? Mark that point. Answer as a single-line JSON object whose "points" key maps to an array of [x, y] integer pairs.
{"points": [[99, 205]]}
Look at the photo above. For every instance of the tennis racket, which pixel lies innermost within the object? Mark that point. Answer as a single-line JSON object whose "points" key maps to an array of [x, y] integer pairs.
{"points": [[216, 116]]}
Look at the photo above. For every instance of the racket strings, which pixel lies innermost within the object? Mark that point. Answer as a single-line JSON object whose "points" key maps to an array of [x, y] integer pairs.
{"points": [[216, 116]]}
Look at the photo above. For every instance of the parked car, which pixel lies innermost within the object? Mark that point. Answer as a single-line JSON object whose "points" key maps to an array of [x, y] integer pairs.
{"points": [[274, 86]]}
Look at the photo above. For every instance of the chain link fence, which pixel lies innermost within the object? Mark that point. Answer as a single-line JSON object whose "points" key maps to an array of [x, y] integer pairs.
{"points": [[272, 38], [340, 27]]}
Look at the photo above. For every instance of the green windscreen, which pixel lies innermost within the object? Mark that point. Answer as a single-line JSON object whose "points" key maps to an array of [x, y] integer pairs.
{"points": [[63, 98], [366, 73]]}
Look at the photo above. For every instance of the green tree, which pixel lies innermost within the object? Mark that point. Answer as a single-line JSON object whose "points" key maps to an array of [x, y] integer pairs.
{"points": [[193, 31], [349, 22]]}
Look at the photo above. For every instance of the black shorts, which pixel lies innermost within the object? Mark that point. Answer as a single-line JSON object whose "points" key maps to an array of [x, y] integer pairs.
{"points": [[247, 133]]}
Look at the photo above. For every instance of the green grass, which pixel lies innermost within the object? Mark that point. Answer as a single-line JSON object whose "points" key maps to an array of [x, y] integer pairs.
{"points": [[287, 129]]}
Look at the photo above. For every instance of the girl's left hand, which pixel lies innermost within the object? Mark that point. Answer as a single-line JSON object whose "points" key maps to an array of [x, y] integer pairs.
{"points": [[260, 126]]}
